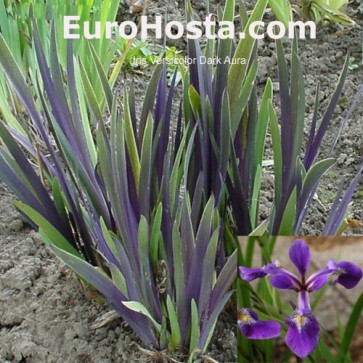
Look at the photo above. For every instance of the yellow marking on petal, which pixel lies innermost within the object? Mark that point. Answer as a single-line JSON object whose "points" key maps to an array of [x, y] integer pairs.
{"points": [[243, 317], [340, 271], [300, 321]]}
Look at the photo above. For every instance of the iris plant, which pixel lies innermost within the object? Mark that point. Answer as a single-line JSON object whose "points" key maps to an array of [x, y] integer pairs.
{"points": [[303, 328], [106, 193]]}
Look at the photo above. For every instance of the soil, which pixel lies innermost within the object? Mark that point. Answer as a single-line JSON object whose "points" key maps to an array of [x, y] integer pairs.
{"points": [[46, 315]]}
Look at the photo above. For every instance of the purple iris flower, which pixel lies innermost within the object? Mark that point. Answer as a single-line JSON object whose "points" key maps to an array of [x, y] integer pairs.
{"points": [[303, 328], [253, 328]]}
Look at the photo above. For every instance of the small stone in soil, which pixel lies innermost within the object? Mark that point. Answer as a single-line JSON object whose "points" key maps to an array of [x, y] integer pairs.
{"points": [[16, 225]]}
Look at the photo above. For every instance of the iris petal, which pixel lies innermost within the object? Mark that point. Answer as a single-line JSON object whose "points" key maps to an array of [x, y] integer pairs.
{"points": [[249, 274], [273, 268], [283, 282], [317, 280], [303, 333], [253, 328], [300, 255], [261, 330], [349, 274]]}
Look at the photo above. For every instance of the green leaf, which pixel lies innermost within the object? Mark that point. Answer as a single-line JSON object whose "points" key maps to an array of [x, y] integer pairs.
{"points": [[289, 216], [176, 338], [207, 270], [149, 99], [225, 148], [297, 103], [262, 121], [59, 199], [195, 101], [55, 237], [179, 273], [282, 10], [145, 169], [277, 150], [210, 336], [244, 50], [143, 238], [244, 95], [177, 171], [139, 308], [8, 116], [243, 13], [351, 326], [107, 93], [224, 48], [108, 238], [261, 229], [156, 235], [194, 329], [84, 113], [11, 69], [90, 94], [331, 13], [314, 175], [131, 142], [255, 197], [325, 352], [118, 280]]}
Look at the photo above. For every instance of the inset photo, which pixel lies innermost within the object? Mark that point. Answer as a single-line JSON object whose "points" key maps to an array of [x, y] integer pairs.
{"points": [[299, 299], [139, 139]]}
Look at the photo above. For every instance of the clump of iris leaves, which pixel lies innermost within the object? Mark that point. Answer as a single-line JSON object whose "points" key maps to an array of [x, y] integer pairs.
{"points": [[147, 207]]}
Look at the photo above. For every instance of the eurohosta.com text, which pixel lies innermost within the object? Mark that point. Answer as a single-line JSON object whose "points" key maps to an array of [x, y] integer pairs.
{"points": [[73, 29]]}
